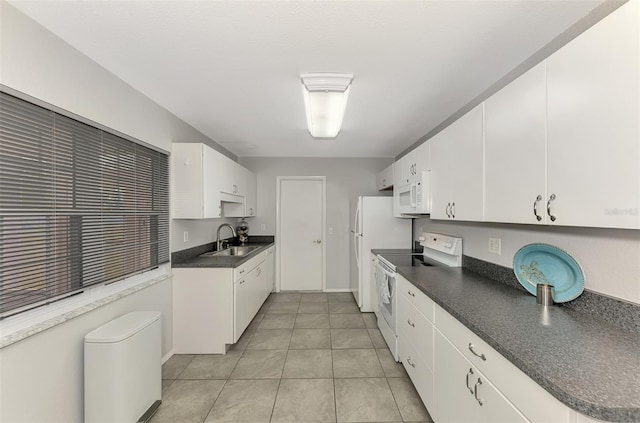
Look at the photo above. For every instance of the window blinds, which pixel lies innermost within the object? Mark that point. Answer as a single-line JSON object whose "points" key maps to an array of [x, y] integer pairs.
{"points": [[78, 206]]}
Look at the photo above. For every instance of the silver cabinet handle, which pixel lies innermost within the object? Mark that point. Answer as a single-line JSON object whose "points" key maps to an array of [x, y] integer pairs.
{"points": [[453, 210], [475, 391], [411, 293], [482, 356], [447, 209], [469, 373], [552, 217], [317, 241], [411, 363], [535, 208], [241, 282], [410, 323]]}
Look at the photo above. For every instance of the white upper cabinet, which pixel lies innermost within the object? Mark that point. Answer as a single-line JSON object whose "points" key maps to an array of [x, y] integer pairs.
{"points": [[247, 189], [207, 184], [195, 191], [593, 125], [515, 150], [232, 178], [385, 178], [457, 169], [251, 195], [403, 170], [421, 160]]}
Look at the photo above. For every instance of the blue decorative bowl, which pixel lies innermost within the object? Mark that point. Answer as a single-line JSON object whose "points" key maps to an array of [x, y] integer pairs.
{"points": [[536, 264]]}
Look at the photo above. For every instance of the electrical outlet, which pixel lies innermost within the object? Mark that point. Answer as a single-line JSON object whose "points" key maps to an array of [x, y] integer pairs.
{"points": [[185, 236], [495, 246], [263, 227]]}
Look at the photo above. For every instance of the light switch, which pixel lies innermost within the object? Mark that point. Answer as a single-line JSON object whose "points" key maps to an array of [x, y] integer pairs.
{"points": [[330, 231], [185, 236], [263, 227]]}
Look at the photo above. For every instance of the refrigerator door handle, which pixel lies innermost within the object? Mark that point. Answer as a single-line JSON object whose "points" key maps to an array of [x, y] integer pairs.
{"points": [[356, 232]]}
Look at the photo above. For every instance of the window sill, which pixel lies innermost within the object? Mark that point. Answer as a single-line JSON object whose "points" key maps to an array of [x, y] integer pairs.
{"points": [[16, 328]]}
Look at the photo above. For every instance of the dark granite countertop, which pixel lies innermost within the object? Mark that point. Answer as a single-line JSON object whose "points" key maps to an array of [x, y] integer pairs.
{"points": [[589, 364], [190, 258]]}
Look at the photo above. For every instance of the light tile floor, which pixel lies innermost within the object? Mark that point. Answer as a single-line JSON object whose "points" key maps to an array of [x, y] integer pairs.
{"points": [[305, 357]]}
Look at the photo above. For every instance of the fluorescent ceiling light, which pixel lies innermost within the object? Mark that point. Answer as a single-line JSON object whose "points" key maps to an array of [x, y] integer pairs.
{"points": [[325, 98]]}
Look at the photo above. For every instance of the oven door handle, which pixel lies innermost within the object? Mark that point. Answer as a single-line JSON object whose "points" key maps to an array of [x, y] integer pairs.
{"points": [[386, 272]]}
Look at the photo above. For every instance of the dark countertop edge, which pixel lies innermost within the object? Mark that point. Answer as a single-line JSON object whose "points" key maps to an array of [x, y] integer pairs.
{"points": [[630, 414], [228, 262]]}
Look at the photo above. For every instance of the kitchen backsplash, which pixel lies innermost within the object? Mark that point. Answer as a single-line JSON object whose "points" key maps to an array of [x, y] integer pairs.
{"points": [[620, 313]]}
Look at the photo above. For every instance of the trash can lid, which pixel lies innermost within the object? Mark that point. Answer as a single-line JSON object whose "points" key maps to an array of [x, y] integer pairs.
{"points": [[123, 327]]}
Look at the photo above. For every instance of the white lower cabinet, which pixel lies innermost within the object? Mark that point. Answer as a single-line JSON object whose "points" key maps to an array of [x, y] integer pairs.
{"points": [[212, 307], [464, 394], [248, 295], [444, 360], [270, 268], [419, 372]]}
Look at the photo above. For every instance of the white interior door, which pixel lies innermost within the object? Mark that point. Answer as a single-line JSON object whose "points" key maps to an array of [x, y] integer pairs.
{"points": [[301, 244]]}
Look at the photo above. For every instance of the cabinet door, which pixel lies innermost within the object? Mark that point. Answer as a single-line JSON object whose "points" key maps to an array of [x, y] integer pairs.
{"points": [[466, 173], [240, 308], [457, 169], [463, 393], [419, 373], [420, 160], [231, 177], [515, 150], [384, 179], [453, 399], [187, 178], [211, 191], [594, 135], [270, 270], [397, 182], [251, 194], [441, 186]]}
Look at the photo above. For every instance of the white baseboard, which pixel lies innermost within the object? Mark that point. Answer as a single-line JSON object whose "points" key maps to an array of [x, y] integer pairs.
{"points": [[338, 290], [167, 356]]}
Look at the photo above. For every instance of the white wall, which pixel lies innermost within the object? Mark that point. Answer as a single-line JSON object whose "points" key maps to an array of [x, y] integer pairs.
{"points": [[346, 179], [610, 258], [41, 377], [41, 65], [200, 232]]}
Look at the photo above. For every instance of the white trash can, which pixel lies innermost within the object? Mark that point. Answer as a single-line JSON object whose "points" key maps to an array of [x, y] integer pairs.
{"points": [[122, 369]]}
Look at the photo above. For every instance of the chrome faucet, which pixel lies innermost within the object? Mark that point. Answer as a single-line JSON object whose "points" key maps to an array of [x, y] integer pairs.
{"points": [[218, 241]]}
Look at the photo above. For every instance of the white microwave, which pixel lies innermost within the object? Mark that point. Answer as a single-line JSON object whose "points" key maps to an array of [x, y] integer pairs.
{"points": [[415, 197]]}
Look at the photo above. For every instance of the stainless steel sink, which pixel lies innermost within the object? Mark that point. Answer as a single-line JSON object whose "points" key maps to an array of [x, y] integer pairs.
{"points": [[232, 251]]}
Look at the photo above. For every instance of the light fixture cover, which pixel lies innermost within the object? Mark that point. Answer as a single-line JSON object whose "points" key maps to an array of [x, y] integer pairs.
{"points": [[325, 99]]}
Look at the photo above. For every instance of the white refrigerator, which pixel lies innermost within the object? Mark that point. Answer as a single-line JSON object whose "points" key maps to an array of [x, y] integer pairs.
{"points": [[373, 227]]}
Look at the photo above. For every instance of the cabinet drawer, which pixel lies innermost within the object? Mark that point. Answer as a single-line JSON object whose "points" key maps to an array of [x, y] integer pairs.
{"points": [[422, 303], [240, 272], [417, 329], [511, 381], [420, 374]]}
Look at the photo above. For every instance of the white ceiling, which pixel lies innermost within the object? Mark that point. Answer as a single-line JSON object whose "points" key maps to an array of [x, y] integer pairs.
{"points": [[232, 69]]}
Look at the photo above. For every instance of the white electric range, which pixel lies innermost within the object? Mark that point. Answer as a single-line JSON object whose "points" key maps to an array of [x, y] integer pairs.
{"points": [[438, 250]]}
